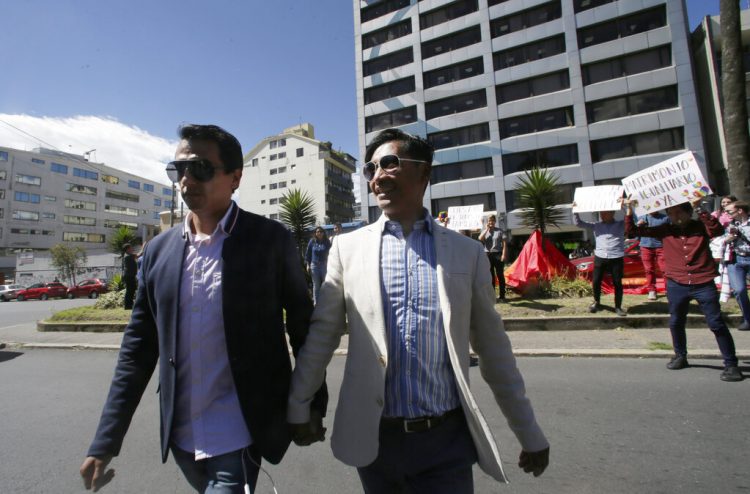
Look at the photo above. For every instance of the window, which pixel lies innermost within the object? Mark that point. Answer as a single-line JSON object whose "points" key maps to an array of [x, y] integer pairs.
{"points": [[632, 104], [273, 171], [272, 157], [542, 158], [274, 216], [25, 197], [529, 52], [48, 216], [121, 210], [282, 185], [273, 186], [2, 193], [490, 3], [3, 155], [78, 172], [581, 5], [448, 12], [58, 168], [660, 141], [385, 91], [455, 72], [254, 162], [451, 42], [27, 231], [37, 161], [168, 203], [2, 214], [281, 142], [123, 196], [387, 62], [79, 220], [25, 215], [273, 201], [536, 122], [456, 104], [28, 179], [381, 8], [282, 155], [525, 19], [391, 119], [96, 238], [118, 224], [460, 136], [157, 202], [526, 88], [134, 184], [632, 63], [155, 215], [262, 187], [300, 152], [166, 191], [3, 174], [50, 198], [110, 179], [442, 204], [148, 187], [81, 189], [72, 203], [282, 169], [388, 33], [460, 171], [621, 27]]}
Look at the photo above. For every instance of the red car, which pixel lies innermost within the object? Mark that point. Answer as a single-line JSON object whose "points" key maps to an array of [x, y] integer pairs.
{"points": [[633, 265], [42, 291], [91, 288]]}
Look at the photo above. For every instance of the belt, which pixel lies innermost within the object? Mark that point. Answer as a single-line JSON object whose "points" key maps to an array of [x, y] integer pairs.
{"points": [[420, 424]]}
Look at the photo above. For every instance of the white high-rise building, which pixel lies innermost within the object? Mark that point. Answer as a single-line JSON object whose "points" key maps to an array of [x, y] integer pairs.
{"points": [[593, 89], [295, 159]]}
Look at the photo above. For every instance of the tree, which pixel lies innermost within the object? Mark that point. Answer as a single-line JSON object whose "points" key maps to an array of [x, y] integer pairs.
{"points": [[538, 198], [123, 235], [297, 212], [69, 261], [734, 111]]}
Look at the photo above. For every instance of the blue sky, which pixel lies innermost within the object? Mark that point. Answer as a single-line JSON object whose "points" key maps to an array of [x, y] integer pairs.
{"points": [[81, 74]]}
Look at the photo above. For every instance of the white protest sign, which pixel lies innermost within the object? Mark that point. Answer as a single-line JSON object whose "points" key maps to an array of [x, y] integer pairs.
{"points": [[668, 183], [465, 217], [598, 198]]}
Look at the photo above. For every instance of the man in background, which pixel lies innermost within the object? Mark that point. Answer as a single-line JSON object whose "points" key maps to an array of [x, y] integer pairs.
{"points": [[129, 274]]}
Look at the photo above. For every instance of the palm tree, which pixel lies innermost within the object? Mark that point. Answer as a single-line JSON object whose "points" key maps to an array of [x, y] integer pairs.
{"points": [[121, 236], [297, 212], [734, 109], [538, 197]]}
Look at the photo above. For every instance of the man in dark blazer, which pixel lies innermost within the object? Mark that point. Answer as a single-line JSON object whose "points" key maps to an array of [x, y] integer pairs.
{"points": [[215, 296], [129, 274]]}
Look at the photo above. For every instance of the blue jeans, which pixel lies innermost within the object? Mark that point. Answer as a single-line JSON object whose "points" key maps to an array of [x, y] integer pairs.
{"points": [[738, 281], [318, 275], [221, 474], [705, 294]]}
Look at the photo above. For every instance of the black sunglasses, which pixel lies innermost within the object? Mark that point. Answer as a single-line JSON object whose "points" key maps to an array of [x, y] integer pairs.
{"points": [[389, 163], [201, 170]]}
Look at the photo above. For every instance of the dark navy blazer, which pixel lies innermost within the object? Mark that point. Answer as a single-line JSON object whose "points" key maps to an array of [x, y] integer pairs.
{"points": [[262, 282]]}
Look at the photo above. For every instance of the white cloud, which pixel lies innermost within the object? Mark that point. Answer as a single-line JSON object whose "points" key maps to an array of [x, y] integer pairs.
{"points": [[120, 146]]}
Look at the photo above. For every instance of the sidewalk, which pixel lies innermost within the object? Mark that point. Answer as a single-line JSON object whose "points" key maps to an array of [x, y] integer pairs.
{"points": [[620, 342]]}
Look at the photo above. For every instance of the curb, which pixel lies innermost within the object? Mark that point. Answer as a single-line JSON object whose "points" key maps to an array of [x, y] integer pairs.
{"points": [[631, 321]]}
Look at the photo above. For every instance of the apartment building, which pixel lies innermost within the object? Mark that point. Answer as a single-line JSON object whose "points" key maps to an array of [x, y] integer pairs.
{"points": [[48, 197], [593, 89], [295, 159]]}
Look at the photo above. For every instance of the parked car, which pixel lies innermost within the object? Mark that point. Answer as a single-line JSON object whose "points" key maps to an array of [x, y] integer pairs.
{"points": [[633, 267], [42, 291], [90, 288], [9, 292]]}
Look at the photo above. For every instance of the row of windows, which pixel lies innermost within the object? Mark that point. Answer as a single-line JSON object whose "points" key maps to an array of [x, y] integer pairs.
{"points": [[381, 8], [459, 137], [122, 210], [79, 172], [81, 189], [536, 122], [529, 52], [277, 156], [461, 171], [456, 104], [79, 220], [32, 231], [525, 19], [453, 41], [632, 104], [28, 179], [621, 27], [526, 88], [389, 90], [281, 169], [540, 158], [57, 167], [581, 5], [660, 141], [386, 34], [565, 194], [96, 238], [447, 13], [632, 63], [394, 118], [122, 196], [277, 143], [455, 72]]}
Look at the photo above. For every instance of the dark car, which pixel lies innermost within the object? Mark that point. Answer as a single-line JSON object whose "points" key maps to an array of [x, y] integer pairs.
{"points": [[90, 288], [633, 267], [42, 291], [8, 292]]}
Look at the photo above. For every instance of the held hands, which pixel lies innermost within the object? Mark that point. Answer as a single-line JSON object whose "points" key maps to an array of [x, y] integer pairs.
{"points": [[94, 472], [311, 432], [534, 463]]}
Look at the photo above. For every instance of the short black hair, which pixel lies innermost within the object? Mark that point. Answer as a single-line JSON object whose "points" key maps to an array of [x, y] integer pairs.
{"points": [[686, 206], [743, 205], [414, 147], [230, 150], [125, 247]]}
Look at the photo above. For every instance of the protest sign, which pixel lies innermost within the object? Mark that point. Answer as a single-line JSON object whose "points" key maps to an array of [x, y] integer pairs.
{"points": [[668, 183], [465, 217], [598, 198]]}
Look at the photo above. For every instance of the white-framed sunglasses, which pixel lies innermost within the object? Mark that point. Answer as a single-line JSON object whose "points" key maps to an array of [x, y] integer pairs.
{"points": [[389, 163]]}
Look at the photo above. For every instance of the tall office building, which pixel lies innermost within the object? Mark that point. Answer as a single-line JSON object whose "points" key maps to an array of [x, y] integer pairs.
{"points": [[593, 89], [295, 159]]}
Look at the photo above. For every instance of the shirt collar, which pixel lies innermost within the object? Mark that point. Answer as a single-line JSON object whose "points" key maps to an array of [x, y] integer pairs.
{"points": [[425, 223], [226, 224]]}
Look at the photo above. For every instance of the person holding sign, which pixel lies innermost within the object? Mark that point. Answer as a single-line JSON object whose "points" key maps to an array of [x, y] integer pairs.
{"points": [[609, 254], [652, 253], [738, 236], [690, 272], [496, 246]]}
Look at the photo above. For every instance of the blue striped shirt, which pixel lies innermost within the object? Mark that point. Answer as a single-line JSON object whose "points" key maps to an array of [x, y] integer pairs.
{"points": [[419, 381]]}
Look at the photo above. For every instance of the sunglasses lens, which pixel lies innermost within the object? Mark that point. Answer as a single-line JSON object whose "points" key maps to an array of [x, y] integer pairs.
{"points": [[389, 162], [173, 174], [201, 170], [368, 171]]}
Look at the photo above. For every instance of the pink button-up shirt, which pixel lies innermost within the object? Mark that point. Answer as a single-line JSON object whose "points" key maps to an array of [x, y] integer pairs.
{"points": [[208, 419]]}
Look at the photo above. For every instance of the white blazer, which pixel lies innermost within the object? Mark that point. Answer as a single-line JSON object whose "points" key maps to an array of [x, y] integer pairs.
{"points": [[351, 292]]}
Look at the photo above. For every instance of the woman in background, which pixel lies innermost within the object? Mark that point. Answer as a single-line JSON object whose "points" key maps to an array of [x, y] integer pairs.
{"points": [[316, 258]]}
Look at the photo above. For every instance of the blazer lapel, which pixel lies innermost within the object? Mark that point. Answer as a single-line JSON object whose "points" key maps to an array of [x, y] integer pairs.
{"points": [[371, 256], [172, 276], [443, 255]]}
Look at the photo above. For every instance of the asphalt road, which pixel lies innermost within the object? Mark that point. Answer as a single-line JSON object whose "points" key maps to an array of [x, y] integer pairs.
{"points": [[30, 311], [615, 425]]}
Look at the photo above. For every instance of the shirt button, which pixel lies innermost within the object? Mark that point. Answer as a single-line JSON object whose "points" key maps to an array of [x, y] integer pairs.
{"points": [[196, 309], [381, 359]]}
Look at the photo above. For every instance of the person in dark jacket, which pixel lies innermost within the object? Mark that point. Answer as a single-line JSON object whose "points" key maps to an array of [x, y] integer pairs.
{"points": [[129, 274]]}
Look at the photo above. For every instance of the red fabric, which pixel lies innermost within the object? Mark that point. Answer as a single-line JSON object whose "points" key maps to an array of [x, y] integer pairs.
{"points": [[651, 257], [537, 262]]}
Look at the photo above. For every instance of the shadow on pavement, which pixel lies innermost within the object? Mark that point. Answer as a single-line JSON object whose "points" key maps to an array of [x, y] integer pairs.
{"points": [[536, 305], [8, 355]]}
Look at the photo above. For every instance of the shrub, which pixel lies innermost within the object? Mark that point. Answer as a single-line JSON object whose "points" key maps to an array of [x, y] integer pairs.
{"points": [[116, 284], [561, 287], [111, 300]]}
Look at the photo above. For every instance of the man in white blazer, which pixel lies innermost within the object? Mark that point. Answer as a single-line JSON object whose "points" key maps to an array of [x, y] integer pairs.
{"points": [[414, 296]]}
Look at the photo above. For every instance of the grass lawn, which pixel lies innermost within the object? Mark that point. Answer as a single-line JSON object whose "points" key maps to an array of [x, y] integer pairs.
{"points": [[91, 314]]}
